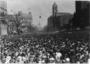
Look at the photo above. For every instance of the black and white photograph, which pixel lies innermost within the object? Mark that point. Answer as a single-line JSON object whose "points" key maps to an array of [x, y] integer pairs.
{"points": [[44, 31]]}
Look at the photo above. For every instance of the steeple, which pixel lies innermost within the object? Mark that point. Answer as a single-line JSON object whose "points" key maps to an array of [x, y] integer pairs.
{"points": [[54, 9]]}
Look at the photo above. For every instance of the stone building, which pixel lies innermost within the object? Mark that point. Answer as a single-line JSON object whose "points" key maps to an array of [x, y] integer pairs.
{"points": [[58, 19], [3, 13]]}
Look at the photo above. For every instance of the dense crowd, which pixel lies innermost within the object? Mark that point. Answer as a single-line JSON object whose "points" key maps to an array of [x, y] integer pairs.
{"points": [[47, 49]]}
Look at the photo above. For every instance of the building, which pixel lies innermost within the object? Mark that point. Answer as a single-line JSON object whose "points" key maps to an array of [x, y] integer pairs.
{"points": [[3, 13], [18, 23], [11, 23], [82, 15], [26, 18], [58, 19], [25, 21], [61, 20], [3, 7]]}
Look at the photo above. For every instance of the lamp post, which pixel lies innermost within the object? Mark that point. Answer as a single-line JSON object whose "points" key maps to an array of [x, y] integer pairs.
{"points": [[39, 21]]}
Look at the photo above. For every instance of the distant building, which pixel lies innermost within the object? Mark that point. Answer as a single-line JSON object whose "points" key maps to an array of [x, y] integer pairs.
{"points": [[3, 13], [19, 23], [58, 19], [3, 7], [61, 20], [11, 22], [26, 20], [82, 15]]}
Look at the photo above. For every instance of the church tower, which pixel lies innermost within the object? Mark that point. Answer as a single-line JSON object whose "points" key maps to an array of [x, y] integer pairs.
{"points": [[54, 9]]}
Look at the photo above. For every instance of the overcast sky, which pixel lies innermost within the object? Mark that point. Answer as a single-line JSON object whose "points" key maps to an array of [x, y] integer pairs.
{"points": [[40, 8]]}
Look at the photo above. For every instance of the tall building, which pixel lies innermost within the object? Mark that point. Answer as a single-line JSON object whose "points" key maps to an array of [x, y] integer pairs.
{"points": [[58, 19], [81, 5], [3, 13], [82, 14]]}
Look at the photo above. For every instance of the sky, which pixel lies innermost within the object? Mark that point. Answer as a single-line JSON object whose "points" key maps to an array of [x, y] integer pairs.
{"points": [[40, 8]]}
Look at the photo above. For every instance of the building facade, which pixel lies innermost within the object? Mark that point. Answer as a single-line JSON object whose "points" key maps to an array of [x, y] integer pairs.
{"points": [[82, 15], [3, 13], [25, 22], [58, 19], [19, 23]]}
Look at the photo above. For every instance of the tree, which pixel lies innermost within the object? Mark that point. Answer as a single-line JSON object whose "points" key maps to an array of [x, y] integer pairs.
{"points": [[17, 23]]}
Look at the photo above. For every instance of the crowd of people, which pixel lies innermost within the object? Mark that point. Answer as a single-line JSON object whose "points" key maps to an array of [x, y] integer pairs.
{"points": [[45, 49]]}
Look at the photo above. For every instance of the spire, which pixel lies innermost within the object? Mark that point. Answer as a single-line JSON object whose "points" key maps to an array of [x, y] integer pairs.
{"points": [[54, 9]]}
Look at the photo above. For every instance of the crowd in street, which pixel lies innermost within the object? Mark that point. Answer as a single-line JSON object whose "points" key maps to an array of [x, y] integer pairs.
{"points": [[48, 49]]}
